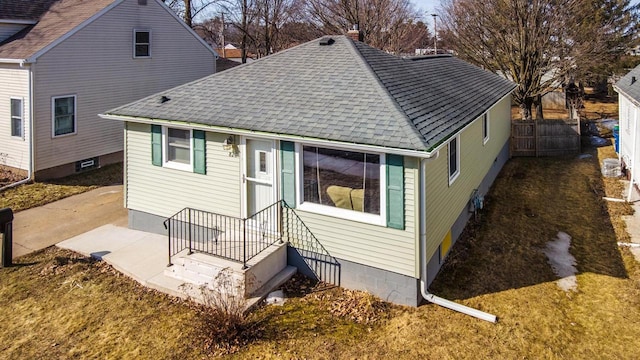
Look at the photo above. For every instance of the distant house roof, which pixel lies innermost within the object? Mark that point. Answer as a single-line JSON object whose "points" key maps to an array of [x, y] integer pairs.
{"points": [[24, 9], [342, 91], [225, 64], [233, 53], [55, 20], [629, 85]]}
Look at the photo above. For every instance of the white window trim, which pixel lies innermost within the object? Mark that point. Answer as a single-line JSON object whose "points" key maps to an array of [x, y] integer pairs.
{"points": [[338, 212], [21, 136], [487, 118], [135, 30], [53, 115], [165, 150], [454, 176]]}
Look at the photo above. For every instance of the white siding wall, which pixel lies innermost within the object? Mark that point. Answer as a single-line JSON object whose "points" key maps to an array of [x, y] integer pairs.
{"points": [[14, 82], [164, 192], [627, 113], [7, 30], [373, 245], [96, 64]]}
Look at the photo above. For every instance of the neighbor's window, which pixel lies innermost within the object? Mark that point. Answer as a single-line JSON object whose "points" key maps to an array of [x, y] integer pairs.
{"points": [[16, 117], [141, 43], [454, 158], [64, 115], [485, 128], [342, 179], [178, 147]]}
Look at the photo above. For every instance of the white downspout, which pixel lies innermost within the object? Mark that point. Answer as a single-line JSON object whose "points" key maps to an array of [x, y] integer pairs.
{"points": [[423, 258], [634, 158], [30, 169]]}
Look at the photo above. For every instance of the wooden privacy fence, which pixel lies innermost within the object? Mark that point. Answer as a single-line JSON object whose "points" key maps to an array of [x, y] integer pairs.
{"points": [[545, 138]]}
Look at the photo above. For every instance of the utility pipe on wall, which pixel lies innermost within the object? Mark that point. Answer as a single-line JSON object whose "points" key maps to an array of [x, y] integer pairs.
{"points": [[423, 257]]}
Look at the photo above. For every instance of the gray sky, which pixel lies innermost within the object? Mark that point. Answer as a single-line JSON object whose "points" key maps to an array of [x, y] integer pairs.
{"points": [[429, 7]]}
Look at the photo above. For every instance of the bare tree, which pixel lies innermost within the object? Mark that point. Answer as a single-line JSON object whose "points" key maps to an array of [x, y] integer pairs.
{"points": [[189, 9], [381, 21], [538, 44]]}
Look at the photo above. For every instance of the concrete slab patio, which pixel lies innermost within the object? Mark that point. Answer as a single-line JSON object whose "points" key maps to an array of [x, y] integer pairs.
{"points": [[143, 256]]}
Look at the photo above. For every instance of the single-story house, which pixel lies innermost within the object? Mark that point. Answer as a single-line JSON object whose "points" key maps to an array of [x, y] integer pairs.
{"points": [[628, 89], [382, 159], [62, 62]]}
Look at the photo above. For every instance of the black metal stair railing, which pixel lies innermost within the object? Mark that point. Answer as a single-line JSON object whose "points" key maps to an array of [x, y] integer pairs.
{"points": [[301, 239], [223, 236], [241, 239]]}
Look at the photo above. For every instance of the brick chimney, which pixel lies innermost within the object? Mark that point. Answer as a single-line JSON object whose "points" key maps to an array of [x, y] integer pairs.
{"points": [[355, 34]]}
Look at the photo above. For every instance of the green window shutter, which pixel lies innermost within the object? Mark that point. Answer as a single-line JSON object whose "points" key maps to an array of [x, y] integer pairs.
{"points": [[199, 152], [395, 191], [156, 145], [288, 172]]}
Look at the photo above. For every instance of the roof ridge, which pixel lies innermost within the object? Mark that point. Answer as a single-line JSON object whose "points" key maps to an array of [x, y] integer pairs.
{"points": [[412, 131]]}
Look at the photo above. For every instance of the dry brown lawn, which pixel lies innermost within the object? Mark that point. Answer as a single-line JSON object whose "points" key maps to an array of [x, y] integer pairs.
{"points": [[57, 306], [35, 194]]}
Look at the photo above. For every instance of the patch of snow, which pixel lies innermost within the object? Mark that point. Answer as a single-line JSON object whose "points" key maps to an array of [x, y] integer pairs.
{"points": [[275, 298], [608, 123], [598, 141], [585, 156], [562, 262]]}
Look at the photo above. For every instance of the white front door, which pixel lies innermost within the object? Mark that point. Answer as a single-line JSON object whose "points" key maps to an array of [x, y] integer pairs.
{"points": [[259, 179]]}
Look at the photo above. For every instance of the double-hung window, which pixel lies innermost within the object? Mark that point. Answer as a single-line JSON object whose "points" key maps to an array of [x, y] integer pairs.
{"points": [[17, 118], [64, 115], [141, 43], [176, 148], [453, 149]]}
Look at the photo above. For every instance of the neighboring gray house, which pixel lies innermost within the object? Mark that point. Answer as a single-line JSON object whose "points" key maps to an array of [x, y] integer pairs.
{"points": [[628, 89], [381, 158], [62, 62]]}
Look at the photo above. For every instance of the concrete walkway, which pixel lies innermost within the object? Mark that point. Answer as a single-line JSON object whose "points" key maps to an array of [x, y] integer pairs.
{"points": [[46, 225]]}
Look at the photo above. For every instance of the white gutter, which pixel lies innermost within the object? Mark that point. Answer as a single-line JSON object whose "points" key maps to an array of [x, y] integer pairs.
{"points": [[634, 158], [30, 169], [14, 61], [423, 258]]}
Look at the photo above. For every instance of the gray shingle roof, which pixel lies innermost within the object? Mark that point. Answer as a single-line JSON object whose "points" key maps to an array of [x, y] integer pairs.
{"points": [[24, 9], [346, 92], [629, 87]]}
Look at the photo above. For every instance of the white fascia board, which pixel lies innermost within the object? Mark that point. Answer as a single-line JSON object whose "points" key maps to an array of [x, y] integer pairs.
{"points": [[13, 61], [295, 138], [82, 25], [190, 30]]}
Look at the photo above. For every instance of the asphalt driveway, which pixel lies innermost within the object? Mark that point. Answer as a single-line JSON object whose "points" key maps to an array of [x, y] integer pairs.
{"points": [[47, 225]]}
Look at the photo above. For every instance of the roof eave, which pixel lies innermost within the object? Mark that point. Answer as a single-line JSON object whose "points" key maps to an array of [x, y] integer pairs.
{"points": [[422, 154], [21, 62]]}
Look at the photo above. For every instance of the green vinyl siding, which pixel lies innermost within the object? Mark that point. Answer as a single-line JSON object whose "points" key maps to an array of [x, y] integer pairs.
{"points": [[163, 191], [444, 202]]}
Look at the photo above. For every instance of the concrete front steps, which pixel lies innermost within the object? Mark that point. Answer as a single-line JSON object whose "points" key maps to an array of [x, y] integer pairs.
{"points": [[191, 274]]}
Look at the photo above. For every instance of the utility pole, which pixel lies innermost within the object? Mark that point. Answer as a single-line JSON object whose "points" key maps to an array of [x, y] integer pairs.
{"points": [[435, 34], [224, 55]]}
